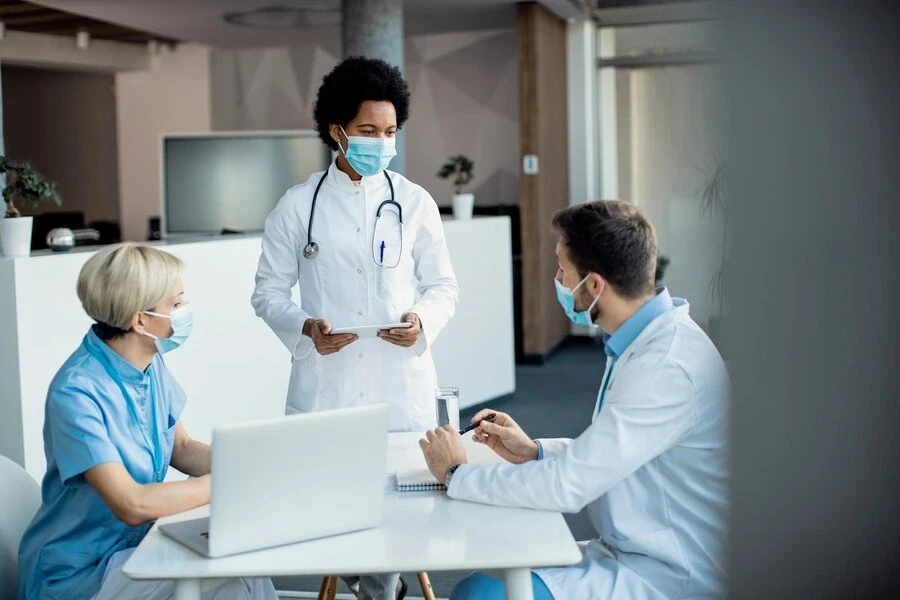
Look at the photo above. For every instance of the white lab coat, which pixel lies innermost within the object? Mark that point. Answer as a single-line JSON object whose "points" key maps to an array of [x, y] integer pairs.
{"points": [[345, 286], [652, 468]]}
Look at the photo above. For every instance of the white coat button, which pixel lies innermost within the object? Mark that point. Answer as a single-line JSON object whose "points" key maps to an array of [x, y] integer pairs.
{"points": [[360, 355], [360, 313], [358, 230], [359, 271], [361, 394]]}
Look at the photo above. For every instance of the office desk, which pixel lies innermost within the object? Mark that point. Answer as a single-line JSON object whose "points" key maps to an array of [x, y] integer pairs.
{"points": [[421, 531]]}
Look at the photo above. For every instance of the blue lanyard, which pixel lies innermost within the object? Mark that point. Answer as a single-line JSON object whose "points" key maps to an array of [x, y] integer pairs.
{"points": [[156, 451]]}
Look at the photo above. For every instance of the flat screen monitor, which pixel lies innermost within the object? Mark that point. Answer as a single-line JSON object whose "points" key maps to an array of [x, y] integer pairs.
{"points": [[229, 182]]}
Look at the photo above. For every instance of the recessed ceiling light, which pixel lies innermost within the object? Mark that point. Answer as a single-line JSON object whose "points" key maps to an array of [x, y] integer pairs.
{"points": [[284, 17]]}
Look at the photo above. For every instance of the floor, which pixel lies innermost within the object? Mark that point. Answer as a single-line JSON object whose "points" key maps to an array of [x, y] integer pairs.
{"points": [[551, 400]]}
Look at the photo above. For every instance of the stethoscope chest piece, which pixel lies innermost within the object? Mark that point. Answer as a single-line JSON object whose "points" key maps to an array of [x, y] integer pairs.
{"points": [[311, 250]]}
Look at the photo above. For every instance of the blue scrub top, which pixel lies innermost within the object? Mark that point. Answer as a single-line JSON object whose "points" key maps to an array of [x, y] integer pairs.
{"points": [[88, 422]]}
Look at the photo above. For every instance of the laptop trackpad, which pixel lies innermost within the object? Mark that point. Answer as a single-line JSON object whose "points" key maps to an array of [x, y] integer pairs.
{"points": [[193, 533]]}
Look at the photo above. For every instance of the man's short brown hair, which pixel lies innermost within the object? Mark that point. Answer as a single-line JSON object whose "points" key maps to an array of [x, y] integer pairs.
{"points": [[613, 239]]}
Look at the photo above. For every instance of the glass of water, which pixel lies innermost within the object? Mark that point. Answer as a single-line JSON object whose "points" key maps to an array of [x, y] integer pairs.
{"points": [[447, 406]]}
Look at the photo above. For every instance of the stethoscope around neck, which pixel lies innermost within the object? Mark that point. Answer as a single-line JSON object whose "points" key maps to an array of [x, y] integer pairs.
{"points": [[311, 250]]}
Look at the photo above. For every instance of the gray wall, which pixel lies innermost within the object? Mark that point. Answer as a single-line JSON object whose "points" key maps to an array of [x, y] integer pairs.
{"points": [[65, 124], [814, 331], [464, 100]]}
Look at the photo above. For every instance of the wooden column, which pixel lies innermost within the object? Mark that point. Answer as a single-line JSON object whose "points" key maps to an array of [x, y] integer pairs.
{"points": [[543, 132]]}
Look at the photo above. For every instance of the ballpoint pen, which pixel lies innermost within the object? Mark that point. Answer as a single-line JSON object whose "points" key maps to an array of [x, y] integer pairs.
{"points": [[382, 253], [469, 428]]}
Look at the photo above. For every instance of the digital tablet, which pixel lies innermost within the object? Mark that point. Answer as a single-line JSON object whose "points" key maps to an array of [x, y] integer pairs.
{"points": [[369, 331]]}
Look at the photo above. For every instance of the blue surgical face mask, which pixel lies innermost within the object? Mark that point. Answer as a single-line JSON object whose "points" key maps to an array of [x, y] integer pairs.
{"points": [[182, 322], [566, 299], [368, 156]]}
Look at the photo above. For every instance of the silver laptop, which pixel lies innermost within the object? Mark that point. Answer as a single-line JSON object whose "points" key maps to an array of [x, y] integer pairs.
{"points": [[291, 479]]}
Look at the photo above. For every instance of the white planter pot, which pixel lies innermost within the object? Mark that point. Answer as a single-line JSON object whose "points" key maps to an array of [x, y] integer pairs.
{"points": [[15, 237], [462, 206]]}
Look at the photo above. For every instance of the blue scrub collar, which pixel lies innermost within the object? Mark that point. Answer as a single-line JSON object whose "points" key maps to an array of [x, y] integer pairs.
{"points": [[126, 371]]}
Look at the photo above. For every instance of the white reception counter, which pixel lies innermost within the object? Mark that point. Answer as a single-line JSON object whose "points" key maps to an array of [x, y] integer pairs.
{"points": [[234, 368]]}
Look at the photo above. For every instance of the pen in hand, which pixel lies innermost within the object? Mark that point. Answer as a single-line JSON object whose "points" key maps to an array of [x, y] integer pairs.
{"points": [[469, 428]]}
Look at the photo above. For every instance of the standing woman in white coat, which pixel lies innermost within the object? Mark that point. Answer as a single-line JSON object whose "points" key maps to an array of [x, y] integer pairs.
{"points": [[366, 246]]}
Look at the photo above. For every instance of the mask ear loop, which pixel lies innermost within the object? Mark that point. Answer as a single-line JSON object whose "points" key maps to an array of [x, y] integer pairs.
{"points": [[147, 333], [596, 298], [580, 283], [344, 152]]}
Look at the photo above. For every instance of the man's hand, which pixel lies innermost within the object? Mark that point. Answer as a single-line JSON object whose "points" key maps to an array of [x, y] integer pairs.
{"points": [[504, 437], [326, 344], [404, 337], [443, 448]]}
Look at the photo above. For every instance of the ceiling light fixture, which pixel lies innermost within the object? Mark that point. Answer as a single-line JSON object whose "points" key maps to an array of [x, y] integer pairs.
{"points": [[285, 17]]}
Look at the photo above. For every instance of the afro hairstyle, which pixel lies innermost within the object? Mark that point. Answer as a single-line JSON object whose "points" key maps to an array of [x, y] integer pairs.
{"points": [[356, 80]]}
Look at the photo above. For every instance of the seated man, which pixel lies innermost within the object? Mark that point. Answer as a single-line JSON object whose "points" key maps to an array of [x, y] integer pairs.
{"points": [[652, 466]]}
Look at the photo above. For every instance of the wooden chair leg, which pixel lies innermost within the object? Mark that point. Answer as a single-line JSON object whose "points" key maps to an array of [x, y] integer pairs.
{"points": [[328, 589], [425, 584]]}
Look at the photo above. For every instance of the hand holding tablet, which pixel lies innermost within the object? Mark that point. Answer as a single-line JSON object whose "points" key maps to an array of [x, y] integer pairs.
{"points": [[369, 331]]}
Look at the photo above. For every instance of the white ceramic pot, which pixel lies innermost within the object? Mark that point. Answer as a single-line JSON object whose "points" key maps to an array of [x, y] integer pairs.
{"points": [[15, 236], [462, 206]]}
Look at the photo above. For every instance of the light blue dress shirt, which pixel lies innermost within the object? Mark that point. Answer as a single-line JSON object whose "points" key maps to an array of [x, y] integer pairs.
{"points": [[88, 422], [616, 344]]}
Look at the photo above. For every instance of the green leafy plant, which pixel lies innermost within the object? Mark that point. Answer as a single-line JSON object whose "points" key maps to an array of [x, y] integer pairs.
{"points": [[662, 262], [712, 203], [460, 169], [24, 184]]}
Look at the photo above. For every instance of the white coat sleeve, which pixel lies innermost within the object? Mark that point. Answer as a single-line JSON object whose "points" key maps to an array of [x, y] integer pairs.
{"points": [[276, 275], [554, 447], [651, 412], [437, 281]]}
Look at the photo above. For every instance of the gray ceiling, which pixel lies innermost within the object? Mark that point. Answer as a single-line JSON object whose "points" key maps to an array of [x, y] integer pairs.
{"points": [[202, 20]]}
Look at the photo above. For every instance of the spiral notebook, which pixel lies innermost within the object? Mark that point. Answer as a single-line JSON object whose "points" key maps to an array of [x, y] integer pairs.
{"points": [[412, 472]]}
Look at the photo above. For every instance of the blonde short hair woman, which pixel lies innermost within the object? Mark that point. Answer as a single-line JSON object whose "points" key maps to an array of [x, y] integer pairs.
{"points": [[111, 431]]}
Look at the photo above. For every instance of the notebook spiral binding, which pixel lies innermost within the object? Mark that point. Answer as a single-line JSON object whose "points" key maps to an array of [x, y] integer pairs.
{"points": [[421, 487]]}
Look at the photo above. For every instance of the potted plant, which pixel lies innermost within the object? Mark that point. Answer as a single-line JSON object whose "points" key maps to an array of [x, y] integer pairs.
{"points": [[662, 262], [712, 203], [461, 170], [23, 184]]}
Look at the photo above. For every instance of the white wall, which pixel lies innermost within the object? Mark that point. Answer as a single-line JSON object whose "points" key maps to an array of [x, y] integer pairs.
{"points": [[584, 178], [672, 115], [658, 137], [173, 96]]}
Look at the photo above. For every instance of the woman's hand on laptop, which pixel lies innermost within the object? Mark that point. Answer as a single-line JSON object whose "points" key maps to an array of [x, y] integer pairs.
{"points": [[443, 447]]}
